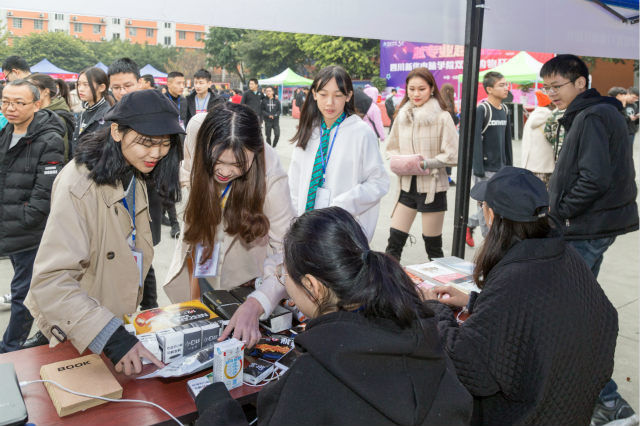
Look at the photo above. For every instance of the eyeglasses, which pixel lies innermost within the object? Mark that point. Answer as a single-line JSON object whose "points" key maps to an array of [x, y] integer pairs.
{"points": [[548, 90], [280, 274], [126, 87], [16, 104]]}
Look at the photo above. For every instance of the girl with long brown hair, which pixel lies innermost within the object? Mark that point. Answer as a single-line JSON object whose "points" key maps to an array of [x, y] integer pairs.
{"points": [[237, 212], [422, 142]]}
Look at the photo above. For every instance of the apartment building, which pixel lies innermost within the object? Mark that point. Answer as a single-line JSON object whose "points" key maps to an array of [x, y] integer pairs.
{"points": [[90, 28]]}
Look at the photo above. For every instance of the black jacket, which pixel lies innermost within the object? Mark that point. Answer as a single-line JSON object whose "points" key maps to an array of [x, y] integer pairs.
{"points": [[492, 149], [270, 107], [189, 110], [355, 371], [592, 190], [27, 172], [91, 119], [538, 346], [253, 101]]}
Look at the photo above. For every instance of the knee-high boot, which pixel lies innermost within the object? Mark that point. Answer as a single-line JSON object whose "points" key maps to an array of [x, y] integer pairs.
{"points": [[433, 246], [397, 240]]}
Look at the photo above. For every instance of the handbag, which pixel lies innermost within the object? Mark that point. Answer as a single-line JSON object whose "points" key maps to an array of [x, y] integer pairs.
{"points": [[408, 165]]}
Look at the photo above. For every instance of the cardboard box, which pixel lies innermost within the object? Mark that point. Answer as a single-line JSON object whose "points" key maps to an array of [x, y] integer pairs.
{"points": [[175, 315]]}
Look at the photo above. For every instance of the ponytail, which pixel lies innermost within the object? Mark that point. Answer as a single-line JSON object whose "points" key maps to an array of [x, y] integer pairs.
{"points": [[330, 245], [63, 90]]}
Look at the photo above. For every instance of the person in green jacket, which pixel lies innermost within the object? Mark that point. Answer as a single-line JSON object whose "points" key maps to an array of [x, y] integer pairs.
{"points": [[54, 96]]}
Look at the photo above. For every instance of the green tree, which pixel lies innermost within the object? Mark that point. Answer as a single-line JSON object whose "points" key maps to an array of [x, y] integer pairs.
{"points": [[266, 53], [359, 56], [188, 62], [221, 47], [5, 49], [59, 48], [142, 54]]}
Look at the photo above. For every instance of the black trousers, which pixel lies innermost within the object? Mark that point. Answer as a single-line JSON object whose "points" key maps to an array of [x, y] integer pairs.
{"points": [[275, 126]]}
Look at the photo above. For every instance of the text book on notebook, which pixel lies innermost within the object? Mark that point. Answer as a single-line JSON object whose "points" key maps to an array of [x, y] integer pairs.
{"points": [[87, 374]]}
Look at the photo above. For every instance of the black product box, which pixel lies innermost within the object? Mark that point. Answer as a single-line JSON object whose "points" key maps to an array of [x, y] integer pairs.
{"points": [[241, 293], [221, 302]]}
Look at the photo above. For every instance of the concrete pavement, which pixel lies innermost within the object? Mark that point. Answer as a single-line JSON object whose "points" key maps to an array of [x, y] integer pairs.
{"points": [[619, 275]]}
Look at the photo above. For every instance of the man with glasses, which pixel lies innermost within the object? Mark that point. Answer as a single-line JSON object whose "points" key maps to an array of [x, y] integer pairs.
{"points": [[15, 68], [31, 155], [123, 77], [592, 189]]}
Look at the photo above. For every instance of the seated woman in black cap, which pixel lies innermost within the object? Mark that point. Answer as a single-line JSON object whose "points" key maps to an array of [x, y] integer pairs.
{"points": [[370, 354], [97, 248], [538, 346]]}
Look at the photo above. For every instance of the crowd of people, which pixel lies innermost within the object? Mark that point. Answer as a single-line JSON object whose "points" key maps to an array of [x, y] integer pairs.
{"points": [[84, 192]]}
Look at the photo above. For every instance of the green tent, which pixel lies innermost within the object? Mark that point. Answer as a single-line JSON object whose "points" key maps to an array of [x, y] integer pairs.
{"points": [[286, 78], [521, 69]]}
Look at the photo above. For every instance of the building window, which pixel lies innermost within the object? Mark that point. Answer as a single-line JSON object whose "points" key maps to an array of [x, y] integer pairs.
{"points": [[198, 36], [17, 22], [96, 29], [38, 24], [59, 17], [77, 27], [149, 32], [133, 32], [167, 24], [116, 21], [58, 30], [167, 41], [182, 35], [116, 36]]}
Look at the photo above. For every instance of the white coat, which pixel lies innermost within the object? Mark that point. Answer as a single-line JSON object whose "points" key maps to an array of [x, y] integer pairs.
{"points": [[355, 173], [537, 151]]}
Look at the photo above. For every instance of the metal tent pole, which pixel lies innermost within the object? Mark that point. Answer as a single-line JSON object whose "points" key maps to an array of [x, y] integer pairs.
{"points": [[472, 47]]}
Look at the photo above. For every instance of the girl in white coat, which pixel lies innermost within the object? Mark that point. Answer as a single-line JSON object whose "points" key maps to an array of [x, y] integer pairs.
{"points": [[537, 151], [336, 161]]}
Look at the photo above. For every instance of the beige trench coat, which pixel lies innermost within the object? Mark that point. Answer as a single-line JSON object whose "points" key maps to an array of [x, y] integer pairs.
{"points": [[84, 273], [241, 262], [429, 131]]}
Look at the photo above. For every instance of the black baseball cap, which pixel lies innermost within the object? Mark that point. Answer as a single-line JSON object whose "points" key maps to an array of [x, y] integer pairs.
{"points": [[147, 112], [515, 194]]}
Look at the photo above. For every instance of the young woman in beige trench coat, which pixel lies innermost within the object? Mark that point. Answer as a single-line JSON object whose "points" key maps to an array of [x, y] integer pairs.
{"points": [[239, 201], [97, 248]]}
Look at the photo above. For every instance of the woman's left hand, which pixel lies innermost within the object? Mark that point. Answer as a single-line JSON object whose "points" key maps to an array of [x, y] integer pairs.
{"points": [[446, 294]]}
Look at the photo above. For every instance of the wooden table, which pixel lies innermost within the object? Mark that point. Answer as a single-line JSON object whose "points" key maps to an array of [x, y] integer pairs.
{"points": [[171, 394]]}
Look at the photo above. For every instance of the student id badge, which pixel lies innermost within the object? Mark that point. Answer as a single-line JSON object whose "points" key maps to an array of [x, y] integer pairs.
{"points": [[137, 256], [210, 267], [323, 198]]}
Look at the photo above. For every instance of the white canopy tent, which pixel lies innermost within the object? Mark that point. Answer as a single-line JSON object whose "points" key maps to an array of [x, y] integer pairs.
{"points": [[568, 26]]}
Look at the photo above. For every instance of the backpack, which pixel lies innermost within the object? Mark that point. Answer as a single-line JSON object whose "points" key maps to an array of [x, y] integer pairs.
{"points": [[487, 114]]}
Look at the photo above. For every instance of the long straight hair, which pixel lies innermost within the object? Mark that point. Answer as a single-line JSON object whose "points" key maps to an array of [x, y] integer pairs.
{"points": [[503, 234], [426, 75], [310, 115], [330, 245], [107, 166], [95, 77], [235, 127]]}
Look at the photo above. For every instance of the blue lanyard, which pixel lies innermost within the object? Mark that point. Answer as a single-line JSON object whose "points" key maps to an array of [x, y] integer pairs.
{"points": [[133, 214], [171, 99], [205, 101], [222, 200], [325, 163]]}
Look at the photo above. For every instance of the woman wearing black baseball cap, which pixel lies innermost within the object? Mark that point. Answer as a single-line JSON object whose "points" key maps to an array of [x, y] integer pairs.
{"points": [[538, 345], [97, 245]]}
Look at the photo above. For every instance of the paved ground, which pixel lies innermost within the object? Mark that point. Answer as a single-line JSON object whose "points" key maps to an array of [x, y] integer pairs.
{"points": [[619, 276]]}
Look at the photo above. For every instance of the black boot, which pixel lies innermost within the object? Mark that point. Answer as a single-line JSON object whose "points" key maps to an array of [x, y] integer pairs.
{"points": [[149, 292], [433, 245], [397, 240], [37, 339]]}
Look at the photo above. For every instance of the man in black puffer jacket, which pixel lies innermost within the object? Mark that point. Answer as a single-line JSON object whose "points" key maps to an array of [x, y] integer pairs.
{"points": [[592, 190], [31, 155]]}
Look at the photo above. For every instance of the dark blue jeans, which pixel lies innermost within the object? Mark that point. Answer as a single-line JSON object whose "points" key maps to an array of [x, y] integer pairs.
{"points": [[21, 320], [592, 251]]}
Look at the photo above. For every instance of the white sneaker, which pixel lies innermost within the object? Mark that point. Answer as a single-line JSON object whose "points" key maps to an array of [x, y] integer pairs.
{"points": [[6, 298]]}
